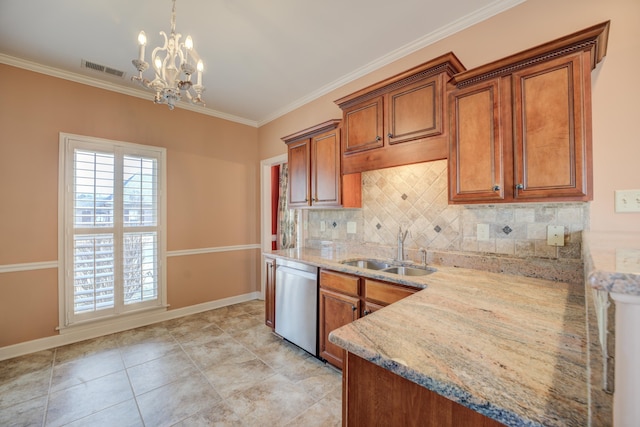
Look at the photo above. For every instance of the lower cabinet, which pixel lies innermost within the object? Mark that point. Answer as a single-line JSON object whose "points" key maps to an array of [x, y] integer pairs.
{"points": [[345, 298], [339, 305], [336, 310], [270, 292], [372, 395]]}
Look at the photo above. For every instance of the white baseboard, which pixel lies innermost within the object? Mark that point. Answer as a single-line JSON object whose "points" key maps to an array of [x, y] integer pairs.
{"points": [[89, 331]]}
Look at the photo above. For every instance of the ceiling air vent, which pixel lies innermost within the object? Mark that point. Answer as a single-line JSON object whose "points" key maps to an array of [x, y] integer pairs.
{"points": [[102, 69]]}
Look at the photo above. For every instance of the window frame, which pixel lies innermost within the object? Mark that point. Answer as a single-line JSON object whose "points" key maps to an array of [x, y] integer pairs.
{"points": [[68, 143]]}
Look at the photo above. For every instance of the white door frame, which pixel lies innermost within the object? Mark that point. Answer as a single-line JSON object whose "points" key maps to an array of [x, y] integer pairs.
{"points": [[265, 209]]}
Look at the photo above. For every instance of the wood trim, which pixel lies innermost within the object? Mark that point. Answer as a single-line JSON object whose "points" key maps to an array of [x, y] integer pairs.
{"points": [[592, 39], [313, 130], [448, 63]]}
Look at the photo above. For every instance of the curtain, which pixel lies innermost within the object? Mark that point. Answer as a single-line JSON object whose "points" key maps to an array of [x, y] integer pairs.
{"points": [[286, 217]]}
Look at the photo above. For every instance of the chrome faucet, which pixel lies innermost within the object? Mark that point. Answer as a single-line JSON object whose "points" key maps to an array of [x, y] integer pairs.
{"points": [[423, 252], [401, 237]]}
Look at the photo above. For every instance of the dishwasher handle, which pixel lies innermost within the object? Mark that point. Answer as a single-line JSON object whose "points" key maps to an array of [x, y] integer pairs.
{"points": [[301, 273]]}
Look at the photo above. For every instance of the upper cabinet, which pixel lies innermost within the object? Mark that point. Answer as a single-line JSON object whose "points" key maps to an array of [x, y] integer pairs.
{"points": [[315, 178], [400, 120], [521, 126]]}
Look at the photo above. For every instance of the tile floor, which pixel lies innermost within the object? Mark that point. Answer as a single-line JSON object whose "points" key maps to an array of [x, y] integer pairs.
{"points": [[222, 367]]}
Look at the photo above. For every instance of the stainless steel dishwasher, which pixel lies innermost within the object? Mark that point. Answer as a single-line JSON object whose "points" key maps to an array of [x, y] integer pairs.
{"points": [[297, 304]]}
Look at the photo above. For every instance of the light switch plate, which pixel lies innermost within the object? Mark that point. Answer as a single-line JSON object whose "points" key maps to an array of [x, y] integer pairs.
{"points": [[555, 235], [627, 200], [482, 231], [351, 227]]}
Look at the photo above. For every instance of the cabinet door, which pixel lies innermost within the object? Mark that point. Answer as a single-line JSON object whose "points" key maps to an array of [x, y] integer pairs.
{"points": [[299, 174], [325, 169], [336, 310], [415, 111], [552, 150], [370, 307], [363, 126], [270, 293], [476, 169]]}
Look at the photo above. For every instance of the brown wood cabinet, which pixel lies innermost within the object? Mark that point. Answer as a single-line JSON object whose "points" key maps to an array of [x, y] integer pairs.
{"points": [[345, 298], [315, 178], [521, 126], [270, 292], [400, 120], [374, 396], [339, 305]]}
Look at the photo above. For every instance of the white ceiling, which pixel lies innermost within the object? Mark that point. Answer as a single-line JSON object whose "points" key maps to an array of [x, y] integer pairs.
{"points": [[262, 58]]}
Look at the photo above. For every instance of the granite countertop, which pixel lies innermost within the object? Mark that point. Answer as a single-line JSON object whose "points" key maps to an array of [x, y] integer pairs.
{"points": [[510, 347], [612, 261]]}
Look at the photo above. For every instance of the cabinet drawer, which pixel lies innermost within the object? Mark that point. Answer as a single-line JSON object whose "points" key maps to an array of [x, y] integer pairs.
{"points": [[385, 293], [339, 282]]}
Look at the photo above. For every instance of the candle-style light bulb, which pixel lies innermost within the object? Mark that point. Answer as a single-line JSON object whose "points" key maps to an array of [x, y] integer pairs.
{"points": [[200, 68], [142, 41], [188, 43]]}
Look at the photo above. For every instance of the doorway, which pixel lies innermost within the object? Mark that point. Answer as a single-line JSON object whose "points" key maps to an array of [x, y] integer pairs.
{"points": [[266, 208]]}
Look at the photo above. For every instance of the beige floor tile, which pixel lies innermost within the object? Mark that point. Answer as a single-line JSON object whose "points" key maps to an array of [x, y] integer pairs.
{"points": [[29, 413], [124, 414], [218, 350], [86, 348], [87, 398], [87, 368], [325, 413], [256, 337], [238, 323], [24, 378], [281, 354], [158, 372], [219, 415], [193, 330], [166, 405], [230, 378], [274, 401], [144, 344]]}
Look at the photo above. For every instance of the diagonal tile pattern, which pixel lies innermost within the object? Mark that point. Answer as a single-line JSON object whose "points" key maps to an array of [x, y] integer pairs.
{"points": [[221, 367]]}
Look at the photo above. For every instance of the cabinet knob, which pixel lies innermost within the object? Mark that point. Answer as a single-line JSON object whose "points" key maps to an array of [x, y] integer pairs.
{"points": [[520, 186], [378, 138], [306, 200], [390, 135], [313, 199], [353, 307], [366, 312], [496, 188]]}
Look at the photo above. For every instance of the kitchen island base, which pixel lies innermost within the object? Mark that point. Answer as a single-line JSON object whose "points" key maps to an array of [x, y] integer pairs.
{"points": [[374, 396]]}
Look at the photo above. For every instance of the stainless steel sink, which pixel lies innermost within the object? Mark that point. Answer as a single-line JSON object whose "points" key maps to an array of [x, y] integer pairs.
{"points": [[409, 271], [369, 264]]}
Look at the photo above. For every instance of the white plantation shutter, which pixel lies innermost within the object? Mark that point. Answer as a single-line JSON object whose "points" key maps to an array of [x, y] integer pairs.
{"points": [[113, 228]]}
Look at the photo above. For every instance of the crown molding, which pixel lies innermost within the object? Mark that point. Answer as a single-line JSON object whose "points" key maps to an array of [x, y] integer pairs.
{"points": [[458, 25], [101, 84]]}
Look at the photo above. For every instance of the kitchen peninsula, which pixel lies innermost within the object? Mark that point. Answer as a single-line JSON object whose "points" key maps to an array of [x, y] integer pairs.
{"points": [[511, 348]]}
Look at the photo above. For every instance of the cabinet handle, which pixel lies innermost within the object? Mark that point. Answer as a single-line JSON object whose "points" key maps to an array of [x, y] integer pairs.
{"points": [[496, 188], [520, 186]]}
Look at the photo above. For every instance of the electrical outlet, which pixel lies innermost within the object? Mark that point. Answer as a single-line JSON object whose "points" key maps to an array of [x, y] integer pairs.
{"points": [[555, 235], [482, 231], [627, 200], [351, 227], [628, 261]]}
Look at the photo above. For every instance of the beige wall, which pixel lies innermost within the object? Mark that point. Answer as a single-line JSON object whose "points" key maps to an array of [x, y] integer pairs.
{"points": [[212, 192], [615, 107]]}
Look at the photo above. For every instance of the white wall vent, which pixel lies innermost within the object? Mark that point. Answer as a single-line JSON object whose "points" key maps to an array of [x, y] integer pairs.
{"points": [[103, 69]]}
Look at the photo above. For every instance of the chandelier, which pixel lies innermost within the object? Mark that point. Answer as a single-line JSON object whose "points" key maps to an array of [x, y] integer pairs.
{"points": [[174, 64]]}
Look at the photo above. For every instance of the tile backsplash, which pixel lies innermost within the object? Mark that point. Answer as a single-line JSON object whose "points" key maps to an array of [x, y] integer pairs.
{"points": [[414, 197]]}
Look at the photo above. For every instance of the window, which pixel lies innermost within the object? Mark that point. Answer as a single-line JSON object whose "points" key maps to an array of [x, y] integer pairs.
{"points": [[111, 228]]}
